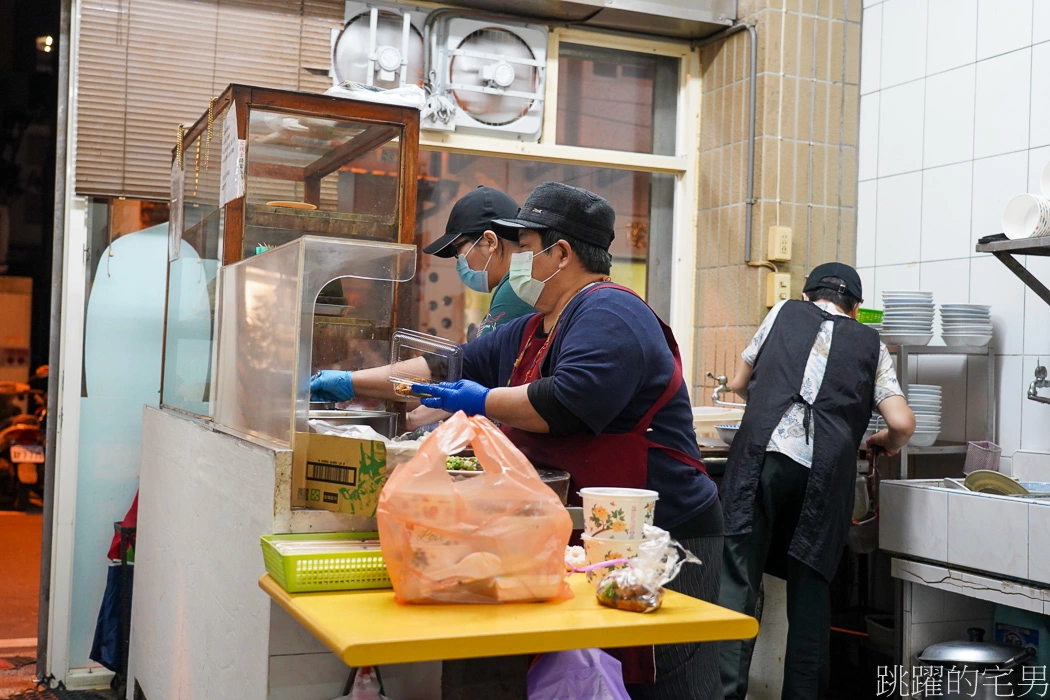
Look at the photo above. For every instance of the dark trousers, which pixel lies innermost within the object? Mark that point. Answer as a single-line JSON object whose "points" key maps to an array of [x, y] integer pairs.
{"points": [[690, 671], [778, 503]]}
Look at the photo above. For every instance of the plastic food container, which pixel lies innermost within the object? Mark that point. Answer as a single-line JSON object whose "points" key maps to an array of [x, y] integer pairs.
{"points": [[444, 360], [617, 514]]}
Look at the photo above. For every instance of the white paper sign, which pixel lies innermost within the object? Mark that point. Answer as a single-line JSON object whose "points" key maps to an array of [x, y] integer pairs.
{"points": [[231, 183], [175, 211]]}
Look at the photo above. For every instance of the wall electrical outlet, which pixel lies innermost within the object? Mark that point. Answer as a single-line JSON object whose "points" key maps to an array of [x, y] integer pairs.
{"points": [[778, 288], [778, 247]]}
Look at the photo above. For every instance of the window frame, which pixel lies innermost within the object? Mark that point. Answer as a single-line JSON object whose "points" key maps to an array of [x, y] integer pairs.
{"points": [[684, 164]]}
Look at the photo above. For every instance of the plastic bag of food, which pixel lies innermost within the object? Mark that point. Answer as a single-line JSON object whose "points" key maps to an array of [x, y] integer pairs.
{"points": [[496, 537], [640, 587]]}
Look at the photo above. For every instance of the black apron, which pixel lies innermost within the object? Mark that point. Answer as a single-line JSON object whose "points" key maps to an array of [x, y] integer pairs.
{"points": [[839, 415]]}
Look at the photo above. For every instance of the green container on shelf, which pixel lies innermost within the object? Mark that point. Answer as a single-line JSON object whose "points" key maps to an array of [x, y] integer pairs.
{"points": [[869, 316], [344, 571]]}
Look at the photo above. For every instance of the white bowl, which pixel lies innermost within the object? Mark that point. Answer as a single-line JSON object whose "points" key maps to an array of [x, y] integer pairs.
{"points": [[967, 307], [923, 439], [967, 341], [907, 293], [727, 432], [912, 339], [925, 387]]}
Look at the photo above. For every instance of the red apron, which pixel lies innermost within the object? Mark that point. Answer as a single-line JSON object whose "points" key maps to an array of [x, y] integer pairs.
{"points": [[608, 459]]}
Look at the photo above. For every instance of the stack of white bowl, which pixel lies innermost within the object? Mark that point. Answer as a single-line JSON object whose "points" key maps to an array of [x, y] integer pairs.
{"points": [[966, 325], [907, 317], [925, 402]]}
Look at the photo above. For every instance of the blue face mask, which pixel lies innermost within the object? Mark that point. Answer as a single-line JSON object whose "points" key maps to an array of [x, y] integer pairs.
{"points": [[478, 280]]}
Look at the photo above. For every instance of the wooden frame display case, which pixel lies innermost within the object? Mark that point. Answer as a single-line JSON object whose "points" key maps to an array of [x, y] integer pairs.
{"points": [[304, 149], [262, 168]]}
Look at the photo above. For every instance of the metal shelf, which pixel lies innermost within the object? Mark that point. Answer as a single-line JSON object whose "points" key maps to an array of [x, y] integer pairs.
{"points": [[1006, 250], [948, 448], [945, 448], [939, 350], [1019, 246]]}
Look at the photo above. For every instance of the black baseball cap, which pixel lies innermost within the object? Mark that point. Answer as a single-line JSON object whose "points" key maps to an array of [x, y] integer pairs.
{"points": [[572, 211], [851, 280], [472, 216]]}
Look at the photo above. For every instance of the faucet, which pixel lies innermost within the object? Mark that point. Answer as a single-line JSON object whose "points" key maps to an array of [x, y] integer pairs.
{"points": [[723, 387], [1040, 382]]}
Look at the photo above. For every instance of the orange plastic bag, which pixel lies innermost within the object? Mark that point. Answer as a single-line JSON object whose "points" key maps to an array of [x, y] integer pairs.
{"points": [[498, 537]]}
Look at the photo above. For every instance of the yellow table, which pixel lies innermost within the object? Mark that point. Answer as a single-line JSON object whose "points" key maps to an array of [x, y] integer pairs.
{"points": [[367, 628]]}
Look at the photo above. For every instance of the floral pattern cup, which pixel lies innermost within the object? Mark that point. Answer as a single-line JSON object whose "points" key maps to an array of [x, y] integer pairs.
{"points": [[600, 549], [617, 514]]}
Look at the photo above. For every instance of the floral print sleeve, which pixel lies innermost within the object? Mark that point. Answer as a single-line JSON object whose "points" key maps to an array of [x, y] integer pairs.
{"points": [[750, 353], [886, 384]]}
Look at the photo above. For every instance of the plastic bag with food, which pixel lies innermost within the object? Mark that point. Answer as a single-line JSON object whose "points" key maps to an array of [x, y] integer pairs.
{"points": [[496, 537], [640, 587]]}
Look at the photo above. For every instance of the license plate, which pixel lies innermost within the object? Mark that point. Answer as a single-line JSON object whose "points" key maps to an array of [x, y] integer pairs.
{"points": [[27, 453]]}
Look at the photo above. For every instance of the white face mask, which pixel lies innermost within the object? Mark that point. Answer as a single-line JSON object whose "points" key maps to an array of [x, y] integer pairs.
{"points": [[521, 280]]}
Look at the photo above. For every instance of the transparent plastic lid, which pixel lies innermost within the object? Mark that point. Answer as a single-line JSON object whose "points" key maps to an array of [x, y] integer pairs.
{"points": [[443, 359]]}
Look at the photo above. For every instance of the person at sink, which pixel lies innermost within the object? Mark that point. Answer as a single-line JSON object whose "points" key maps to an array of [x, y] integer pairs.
{"points": [[592, 385], [811, 377]]}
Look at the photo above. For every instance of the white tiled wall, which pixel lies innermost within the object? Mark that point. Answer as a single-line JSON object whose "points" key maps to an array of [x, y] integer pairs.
{"points": [[955, 120]]}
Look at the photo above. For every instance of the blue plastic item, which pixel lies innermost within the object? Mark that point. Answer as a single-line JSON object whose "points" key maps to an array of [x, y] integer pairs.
{"points": [[1015, 627]]}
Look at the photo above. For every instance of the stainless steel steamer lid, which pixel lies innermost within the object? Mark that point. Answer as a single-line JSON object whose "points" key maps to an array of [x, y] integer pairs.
{"points": [[974, 653]]}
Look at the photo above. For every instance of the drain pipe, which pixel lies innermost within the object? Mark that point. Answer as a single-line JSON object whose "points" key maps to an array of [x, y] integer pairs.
{"points": [[752, 108]]}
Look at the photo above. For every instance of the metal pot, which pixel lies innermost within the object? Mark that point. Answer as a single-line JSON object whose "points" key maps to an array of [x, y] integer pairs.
{"points": [[981, 669], [383, 422]]}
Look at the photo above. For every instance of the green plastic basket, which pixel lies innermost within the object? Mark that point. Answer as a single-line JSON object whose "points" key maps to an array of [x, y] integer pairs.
{"points": [[304, 573], [869, 316]]}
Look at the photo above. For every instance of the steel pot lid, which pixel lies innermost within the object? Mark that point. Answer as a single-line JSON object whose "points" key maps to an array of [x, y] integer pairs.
{"points": [[974, 653]]}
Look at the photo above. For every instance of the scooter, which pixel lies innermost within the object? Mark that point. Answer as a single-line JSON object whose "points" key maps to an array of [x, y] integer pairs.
{"points": [[22, 442]]}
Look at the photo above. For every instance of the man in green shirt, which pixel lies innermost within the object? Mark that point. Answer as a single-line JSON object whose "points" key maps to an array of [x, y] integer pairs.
{"points": [[482, 263], [483, 254]]}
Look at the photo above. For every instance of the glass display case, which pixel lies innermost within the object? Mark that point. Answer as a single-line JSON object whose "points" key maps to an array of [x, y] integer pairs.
{"points": [[262, 168], [277, 329]]}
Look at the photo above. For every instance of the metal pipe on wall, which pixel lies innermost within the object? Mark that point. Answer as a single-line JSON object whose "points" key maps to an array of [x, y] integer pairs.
{"points": [[752, 109]]}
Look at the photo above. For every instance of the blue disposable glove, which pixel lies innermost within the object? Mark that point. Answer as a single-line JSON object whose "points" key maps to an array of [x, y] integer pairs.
{"points": [[331, 385], [464, 395]]}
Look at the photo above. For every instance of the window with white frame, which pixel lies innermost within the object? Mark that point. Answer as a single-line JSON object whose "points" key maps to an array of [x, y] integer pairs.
{"points": [[619, 120]]}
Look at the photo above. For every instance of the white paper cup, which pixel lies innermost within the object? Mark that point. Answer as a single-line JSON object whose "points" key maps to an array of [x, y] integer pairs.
{"points": [[601, 549], [617, 514], [1027, 215]]}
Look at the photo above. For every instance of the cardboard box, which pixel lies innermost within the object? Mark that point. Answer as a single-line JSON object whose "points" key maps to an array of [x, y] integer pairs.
{"points": [[340, 474]]}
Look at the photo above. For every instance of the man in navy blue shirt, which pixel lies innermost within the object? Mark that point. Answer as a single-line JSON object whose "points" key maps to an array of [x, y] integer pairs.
{"points": [[591, 384]]}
